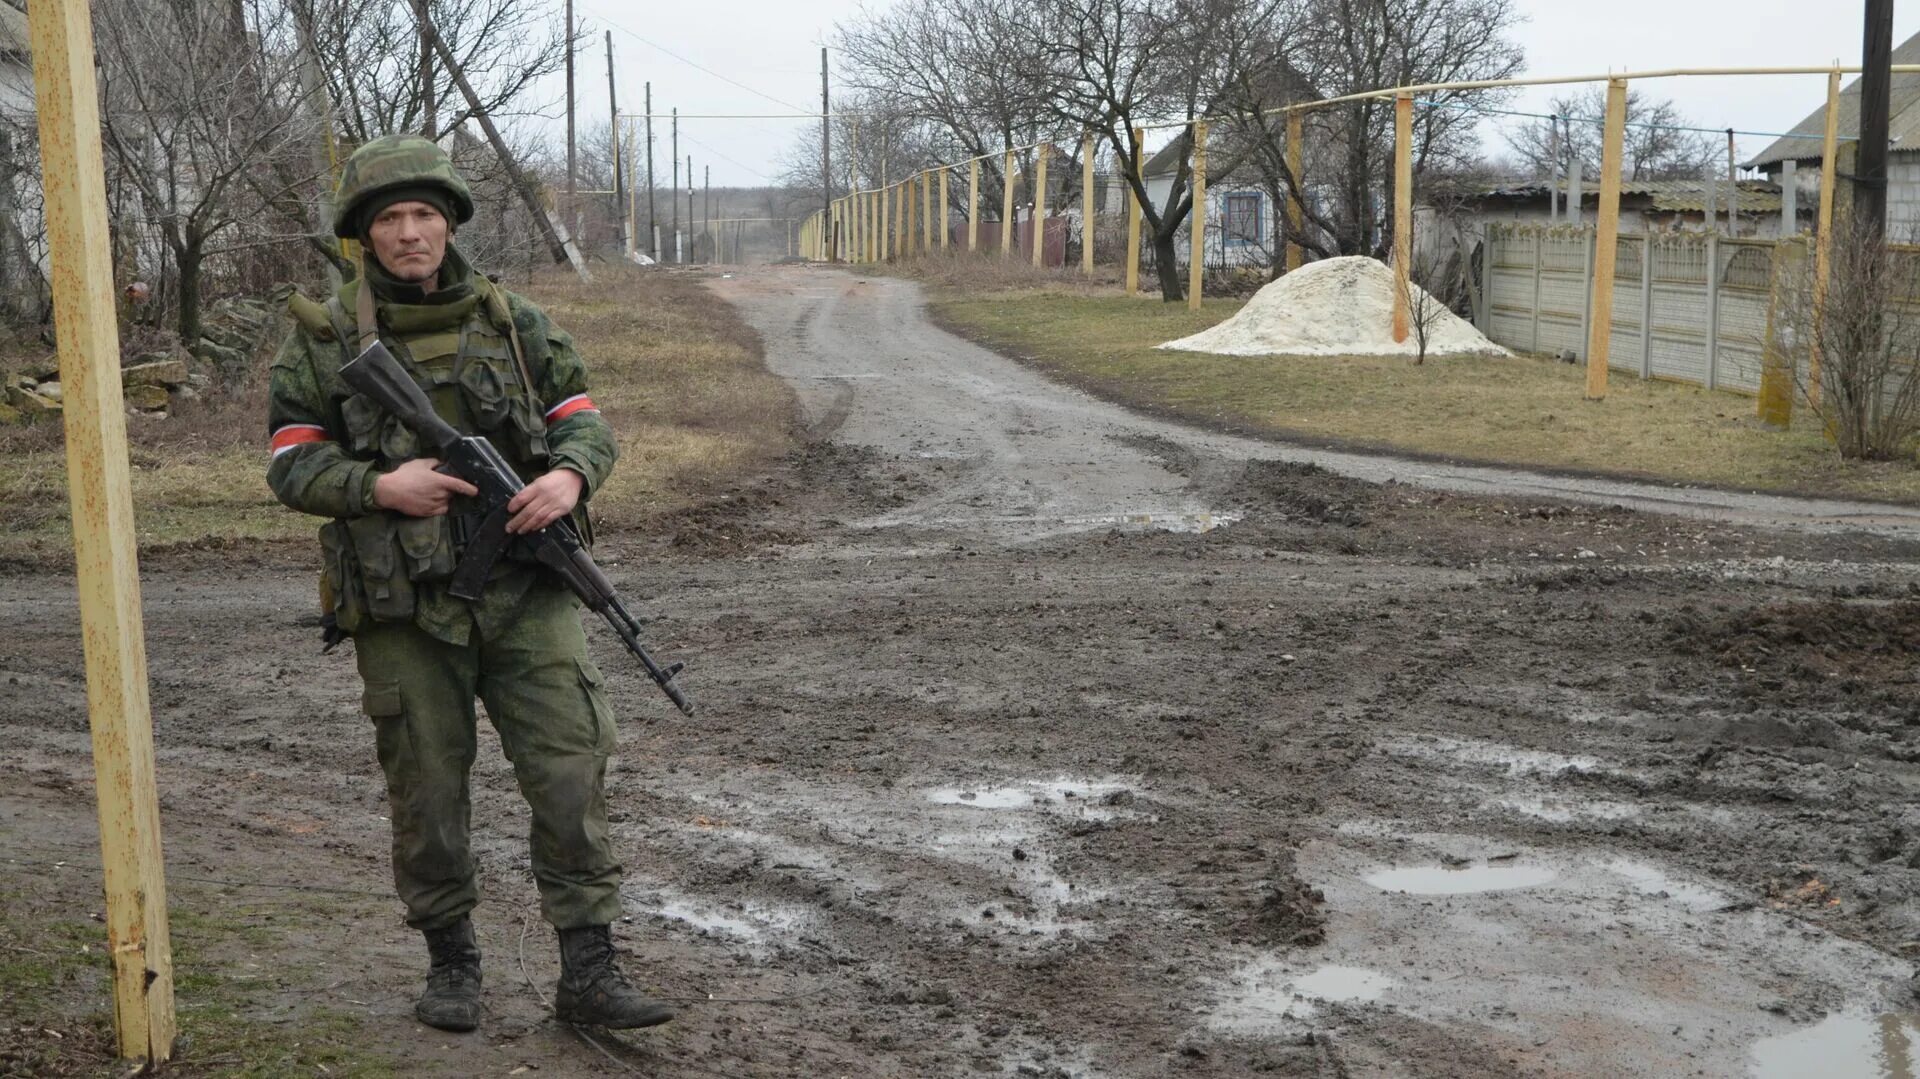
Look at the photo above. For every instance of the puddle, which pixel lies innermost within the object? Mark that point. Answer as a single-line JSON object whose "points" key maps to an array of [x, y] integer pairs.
{"points": [[1842, 1047], [1076, 797], [1265, 993], [1565, 811], [1517, 761], [1467, 880], [750, 923], [1650, 880]]}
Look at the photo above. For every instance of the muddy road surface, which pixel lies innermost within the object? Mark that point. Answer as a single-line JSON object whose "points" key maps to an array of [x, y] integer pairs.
{"points": [[1037, 739]]}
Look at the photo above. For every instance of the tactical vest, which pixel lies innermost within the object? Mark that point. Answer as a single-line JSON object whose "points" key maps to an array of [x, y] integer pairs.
{"points": [[478, 378]]}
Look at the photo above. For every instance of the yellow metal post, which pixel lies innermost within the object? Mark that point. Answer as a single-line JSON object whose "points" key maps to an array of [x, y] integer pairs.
{"points": [[946, 227], [1086, 205], [1134, 212], [1040, 207], [1402, 212], [1606, 240], [973, 205], [1823, 243], [1006, 207], [1197, 220], [73, 172], [1296, 254]]}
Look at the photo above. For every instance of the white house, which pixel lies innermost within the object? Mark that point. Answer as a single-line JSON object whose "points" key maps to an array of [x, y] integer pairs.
{"points": [[1239, 214]]}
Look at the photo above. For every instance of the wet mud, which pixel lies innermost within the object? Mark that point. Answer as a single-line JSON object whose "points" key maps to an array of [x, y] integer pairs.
{"points": [[1363, 779]]}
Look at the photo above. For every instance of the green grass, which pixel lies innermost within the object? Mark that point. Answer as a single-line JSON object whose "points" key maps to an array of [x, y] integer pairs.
{"points": [[1517, 411]]}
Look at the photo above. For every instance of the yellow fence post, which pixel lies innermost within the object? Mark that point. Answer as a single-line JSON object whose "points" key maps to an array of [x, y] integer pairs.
{"points": [[883, 234], [946, 217], [1402, 212], [1134, 211], [1197, 218], [926, 213], [1296, 254], [106, 562], [1006, 207], [1606, 241], [973, 205], [1086, 205], [1823, 244], [1040, 207]]}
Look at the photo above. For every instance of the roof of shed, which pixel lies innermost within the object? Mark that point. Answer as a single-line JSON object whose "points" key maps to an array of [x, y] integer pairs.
{"points": [[1807, 140]]}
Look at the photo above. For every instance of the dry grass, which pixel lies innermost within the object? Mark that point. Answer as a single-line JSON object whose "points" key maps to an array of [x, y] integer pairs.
{"points": [[677, 374], [1517, 411], [962, 274]]}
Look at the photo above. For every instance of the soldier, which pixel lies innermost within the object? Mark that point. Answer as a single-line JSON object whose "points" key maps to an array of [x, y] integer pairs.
{"points": [[494, 365]]}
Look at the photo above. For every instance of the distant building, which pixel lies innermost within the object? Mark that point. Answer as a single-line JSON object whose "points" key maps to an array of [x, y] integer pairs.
{"points": [[1645, 205], [1806, 141]]}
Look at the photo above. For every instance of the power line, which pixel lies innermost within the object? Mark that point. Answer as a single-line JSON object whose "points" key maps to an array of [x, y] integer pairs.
{"points": [[729, 160], [699, 67]]}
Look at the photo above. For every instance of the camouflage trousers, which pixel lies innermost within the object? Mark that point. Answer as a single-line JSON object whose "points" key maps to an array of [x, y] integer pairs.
{"points": [[544, 697]]}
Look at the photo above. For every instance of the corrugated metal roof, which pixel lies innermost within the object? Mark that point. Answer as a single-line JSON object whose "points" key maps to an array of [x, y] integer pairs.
{"points": [[1673, 196], [1807, 139]]}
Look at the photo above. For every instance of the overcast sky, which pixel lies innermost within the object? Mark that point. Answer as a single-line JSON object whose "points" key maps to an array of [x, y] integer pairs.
{"points": [[763, 56]]}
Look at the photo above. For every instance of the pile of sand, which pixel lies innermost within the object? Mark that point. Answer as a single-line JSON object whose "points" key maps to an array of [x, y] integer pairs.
{"points": [[1336, 307]]}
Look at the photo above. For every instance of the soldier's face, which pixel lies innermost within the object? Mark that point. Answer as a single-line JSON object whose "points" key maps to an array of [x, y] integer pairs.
{"points": [[410, 239]]}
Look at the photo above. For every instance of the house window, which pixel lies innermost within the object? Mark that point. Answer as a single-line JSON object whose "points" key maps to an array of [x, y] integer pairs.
{"points": [[1243, 219]]}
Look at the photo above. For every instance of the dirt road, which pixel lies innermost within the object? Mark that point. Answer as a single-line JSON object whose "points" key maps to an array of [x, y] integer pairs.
{"points": [[1038, 739]]}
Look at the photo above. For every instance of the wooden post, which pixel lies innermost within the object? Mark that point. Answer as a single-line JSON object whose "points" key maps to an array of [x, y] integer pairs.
{"points": [[1040, 207], [1402, 212], [1606, 241], [1006, 207], [1134, 211], [926, 213], [1296, 220], [882, 230], [1197, 220], [973, 205], [1086, 205], [946, 217], [73, 172], [1823, 244]]}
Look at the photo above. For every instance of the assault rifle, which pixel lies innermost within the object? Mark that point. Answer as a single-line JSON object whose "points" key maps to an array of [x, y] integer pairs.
{"points": [[472, 458]]}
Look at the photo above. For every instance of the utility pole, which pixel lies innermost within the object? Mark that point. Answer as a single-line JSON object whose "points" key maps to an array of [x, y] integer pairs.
{"points": [[673, 199], [429, 111], [558, 244], [573, 187], [706, 211], [693, 249], [653, 227], [619, 191], [826, 153], [105, 551], [1876, 83]]}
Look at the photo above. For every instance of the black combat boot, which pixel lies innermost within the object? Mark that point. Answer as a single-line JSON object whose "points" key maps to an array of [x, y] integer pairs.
{"points": [[592, 990], [452, 999]]}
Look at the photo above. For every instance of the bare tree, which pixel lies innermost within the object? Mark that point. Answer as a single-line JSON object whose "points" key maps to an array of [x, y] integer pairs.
{"points": [[1658, 146], [1866, 332], [189, 114], [1341, 47]]}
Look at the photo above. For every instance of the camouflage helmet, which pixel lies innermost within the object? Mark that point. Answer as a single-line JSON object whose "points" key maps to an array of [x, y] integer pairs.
{"points": [[391, 162]]}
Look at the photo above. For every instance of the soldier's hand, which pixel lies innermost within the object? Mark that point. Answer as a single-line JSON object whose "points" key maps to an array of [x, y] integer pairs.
{"points": [[416, 490], [545, 500]]}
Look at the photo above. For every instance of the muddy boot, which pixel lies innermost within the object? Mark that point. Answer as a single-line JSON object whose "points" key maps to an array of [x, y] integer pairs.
{"points": [[593, 991], [452, 999]]}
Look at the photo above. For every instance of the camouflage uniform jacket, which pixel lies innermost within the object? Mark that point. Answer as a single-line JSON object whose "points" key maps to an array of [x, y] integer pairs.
{"points": [[329, 444]]}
